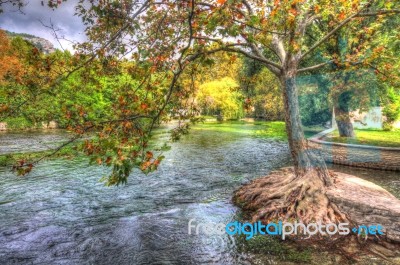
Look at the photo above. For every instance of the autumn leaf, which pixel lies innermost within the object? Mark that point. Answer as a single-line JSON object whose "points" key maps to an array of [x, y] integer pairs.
{"points": [[341, 15], [143, 106], [149, 155], [109, 160]]}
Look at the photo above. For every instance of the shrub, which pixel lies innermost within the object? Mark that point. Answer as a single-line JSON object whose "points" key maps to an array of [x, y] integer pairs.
{"points": [[392, 108]]}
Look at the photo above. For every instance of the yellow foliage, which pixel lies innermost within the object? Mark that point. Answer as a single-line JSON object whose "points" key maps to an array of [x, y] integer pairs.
{"points": [[221, 96]]}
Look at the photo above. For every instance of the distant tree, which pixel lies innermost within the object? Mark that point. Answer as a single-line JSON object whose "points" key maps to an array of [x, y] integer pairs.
{"points": [[10, 66], [262, 91], [221, 97], [314, 101]]}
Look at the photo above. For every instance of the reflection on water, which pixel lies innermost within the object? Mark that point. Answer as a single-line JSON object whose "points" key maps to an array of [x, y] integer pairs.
{"points": [[62, 214]]}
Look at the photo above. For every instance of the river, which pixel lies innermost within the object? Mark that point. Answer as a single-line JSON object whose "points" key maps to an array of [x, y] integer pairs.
{"points": [[62, 214]]}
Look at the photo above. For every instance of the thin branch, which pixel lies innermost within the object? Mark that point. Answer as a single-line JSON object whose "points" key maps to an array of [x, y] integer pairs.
{"points": [[314, 67], [181, 67], [379, 12]]}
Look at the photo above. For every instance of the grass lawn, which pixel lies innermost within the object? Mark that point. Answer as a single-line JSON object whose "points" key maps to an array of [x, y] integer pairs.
{"points": [[369, 137], [267, 129]]}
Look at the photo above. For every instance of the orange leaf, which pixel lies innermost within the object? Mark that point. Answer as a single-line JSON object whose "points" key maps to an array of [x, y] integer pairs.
{"points": [[342, 15], [149, 155], [143, 106]]}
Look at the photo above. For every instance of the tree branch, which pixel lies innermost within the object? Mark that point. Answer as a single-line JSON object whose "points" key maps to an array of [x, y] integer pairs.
{"points": [[327, 36], [272, 66], [314, 67], [344, 22], [379, 12]]}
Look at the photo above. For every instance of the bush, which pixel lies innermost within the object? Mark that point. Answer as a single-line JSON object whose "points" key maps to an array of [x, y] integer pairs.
{"points": [[392, 108]]}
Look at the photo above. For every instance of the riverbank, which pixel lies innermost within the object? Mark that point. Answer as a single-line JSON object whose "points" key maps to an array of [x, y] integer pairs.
{"points": [[267, 129], [69, 152], [21, 124]]}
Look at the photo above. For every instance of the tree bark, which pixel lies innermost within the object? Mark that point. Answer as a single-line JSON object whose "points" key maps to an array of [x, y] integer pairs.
{"points": [[343, 121], [304, 159], [342, 106]]}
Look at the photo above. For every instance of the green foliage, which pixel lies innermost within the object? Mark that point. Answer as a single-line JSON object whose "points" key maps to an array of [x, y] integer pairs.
{"points": [[314, 100], [263, 92], [392, 108], [19, 123], [267, 101], [313, 111]]}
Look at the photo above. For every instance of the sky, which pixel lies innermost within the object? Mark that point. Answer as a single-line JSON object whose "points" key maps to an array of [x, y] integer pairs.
{"points": [[70, 26]]}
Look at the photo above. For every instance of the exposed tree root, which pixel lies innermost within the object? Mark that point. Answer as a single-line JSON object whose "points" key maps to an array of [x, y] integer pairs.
{"points": [[283, 196]]}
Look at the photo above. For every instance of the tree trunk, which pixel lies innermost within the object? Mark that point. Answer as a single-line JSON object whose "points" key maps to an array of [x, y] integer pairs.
{"points": [[342, 109], [304, 159], [343, 121]]}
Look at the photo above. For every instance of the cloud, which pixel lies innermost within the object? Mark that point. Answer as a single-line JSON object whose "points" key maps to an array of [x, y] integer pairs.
{"points": [[35, 15]]}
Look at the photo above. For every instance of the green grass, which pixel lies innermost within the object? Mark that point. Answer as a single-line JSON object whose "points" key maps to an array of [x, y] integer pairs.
{"points": [[273, 129], [369, 137], [263, 244], [267, 129]]}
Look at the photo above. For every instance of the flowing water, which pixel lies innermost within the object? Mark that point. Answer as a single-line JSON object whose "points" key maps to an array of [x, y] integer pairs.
{"points": [[62, 214]]}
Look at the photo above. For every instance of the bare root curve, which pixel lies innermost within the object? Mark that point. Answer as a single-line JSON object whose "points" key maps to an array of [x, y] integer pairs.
{"points": [[284, 196]]}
